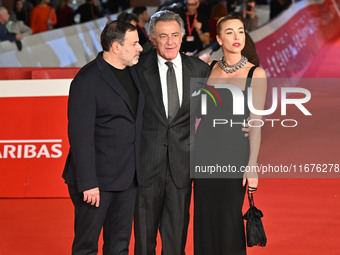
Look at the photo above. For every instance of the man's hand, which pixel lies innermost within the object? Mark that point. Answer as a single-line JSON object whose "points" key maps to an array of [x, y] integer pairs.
{"points": [[92, 196], [198, 26], [18, 36], [251, 12]]}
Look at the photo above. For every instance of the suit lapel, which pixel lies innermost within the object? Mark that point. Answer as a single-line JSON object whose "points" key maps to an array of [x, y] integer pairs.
{"points": [[186, 86], [112, 81], [140, 106], [153, 83]]}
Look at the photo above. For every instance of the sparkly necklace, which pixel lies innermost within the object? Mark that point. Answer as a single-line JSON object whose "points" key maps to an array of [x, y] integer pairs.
{"points": [[234, 67]]}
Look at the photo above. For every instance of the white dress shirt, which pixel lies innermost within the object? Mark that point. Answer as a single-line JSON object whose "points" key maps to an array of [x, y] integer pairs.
{"points": [[163, 69]]}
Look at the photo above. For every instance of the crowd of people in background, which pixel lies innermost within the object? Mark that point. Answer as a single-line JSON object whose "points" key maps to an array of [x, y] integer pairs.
{"points": [[44, 15], [200, 17]]}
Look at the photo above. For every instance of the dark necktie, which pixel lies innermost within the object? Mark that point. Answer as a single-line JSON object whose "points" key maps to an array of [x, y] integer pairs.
{"points": [[173, 99]]}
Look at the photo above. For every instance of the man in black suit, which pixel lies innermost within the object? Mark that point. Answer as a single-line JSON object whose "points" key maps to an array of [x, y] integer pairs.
{"points": [[163, 197], [105, 122]]}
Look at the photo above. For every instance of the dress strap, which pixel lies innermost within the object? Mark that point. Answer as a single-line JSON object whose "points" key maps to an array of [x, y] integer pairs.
{"points": [[212, 64], [250, 76]]}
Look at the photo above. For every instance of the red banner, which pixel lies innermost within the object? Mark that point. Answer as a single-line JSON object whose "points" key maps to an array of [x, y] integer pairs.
{"points": [[33, 137], [287, 52]]}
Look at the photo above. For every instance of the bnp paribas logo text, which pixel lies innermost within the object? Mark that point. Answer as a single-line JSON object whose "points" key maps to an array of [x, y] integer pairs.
{"points": [[301, 96]]}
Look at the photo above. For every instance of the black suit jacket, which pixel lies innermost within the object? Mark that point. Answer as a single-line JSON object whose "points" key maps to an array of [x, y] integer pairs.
{"points": [[104, 134], [163, 142]]}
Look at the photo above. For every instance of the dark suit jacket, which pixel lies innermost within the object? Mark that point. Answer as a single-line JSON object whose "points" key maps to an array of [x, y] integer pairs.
{"points": [[159, 137], [104, 134], [5, 35]]}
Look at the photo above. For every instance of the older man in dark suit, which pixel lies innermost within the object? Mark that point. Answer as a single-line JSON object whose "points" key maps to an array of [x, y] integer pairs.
{"points": [[163, 198], [105, 122]]}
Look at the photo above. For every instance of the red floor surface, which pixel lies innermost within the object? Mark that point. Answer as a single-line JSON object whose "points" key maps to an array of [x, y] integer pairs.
{"points": [[301, 216]]}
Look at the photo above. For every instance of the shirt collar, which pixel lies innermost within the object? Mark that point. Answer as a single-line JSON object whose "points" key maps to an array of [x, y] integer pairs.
{"points": [[176, 61]]}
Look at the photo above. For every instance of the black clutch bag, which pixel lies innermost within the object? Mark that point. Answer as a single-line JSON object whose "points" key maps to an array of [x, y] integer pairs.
{"points": [[254, 227]]}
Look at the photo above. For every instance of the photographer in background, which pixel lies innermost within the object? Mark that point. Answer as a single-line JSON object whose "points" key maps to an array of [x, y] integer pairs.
{"points": [[251, 20], [43, 17], [197, 32], [129, 18], [143, 18], [278, 6], [89, 11], [22, 10], [4, 34]]}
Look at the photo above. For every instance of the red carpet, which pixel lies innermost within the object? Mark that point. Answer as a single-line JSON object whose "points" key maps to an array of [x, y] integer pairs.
{"points": [[301, 215]]}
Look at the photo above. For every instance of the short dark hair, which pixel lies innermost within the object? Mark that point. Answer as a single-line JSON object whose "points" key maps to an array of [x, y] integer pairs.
{"points": [[128, 17], [139, 10], [114, 31]]}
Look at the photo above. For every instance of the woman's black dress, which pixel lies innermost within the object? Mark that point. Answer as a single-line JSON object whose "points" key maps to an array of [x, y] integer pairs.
{"points": [[218, 223]]}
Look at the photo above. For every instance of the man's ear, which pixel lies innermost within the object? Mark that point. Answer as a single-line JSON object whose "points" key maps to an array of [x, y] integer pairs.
{"points": [[115, 47], [153, 41]]}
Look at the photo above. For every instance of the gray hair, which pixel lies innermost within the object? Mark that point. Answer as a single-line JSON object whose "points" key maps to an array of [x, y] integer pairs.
{"points": [[165, 16], [1, 9]]}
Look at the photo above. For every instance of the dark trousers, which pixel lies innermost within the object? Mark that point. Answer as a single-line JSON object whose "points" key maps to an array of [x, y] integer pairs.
{"points": [[162, 205], [114, 214]]}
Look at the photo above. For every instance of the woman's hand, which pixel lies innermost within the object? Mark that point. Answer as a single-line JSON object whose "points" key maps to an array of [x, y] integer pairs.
{"points": [[250, 176]]}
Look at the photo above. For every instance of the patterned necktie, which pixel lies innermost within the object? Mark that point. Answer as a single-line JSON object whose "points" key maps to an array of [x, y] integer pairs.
{"points": [[173, 99]]}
